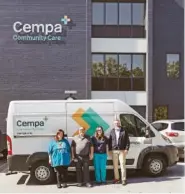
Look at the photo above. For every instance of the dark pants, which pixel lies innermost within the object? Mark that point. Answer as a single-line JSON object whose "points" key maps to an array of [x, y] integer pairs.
{"points": [[82, 162], [61, 171]]}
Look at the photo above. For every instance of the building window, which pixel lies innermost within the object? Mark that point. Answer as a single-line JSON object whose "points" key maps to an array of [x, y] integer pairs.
{"points": [[118, 72], [138, 13], [111, 72], [98, 13], [125, 14], [173, 65], [98, 71], [118, 19], [125, 69], [161, 112], [138, 71], [111, 13]]}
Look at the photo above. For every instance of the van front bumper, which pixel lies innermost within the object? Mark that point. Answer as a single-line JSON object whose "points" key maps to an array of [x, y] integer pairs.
{"points": [[172, 153], [17, 163]]}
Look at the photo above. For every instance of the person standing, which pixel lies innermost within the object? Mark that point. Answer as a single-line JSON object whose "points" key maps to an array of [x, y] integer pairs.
{"points": [[100, 144], [119, 144], [59, 157], [82, 152]]}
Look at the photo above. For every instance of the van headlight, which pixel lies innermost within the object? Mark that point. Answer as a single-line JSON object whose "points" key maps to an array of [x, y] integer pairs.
{"points": [[166, 139]]}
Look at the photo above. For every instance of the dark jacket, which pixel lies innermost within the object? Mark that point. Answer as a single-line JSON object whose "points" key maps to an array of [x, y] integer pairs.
{"points": [[123, 141]]}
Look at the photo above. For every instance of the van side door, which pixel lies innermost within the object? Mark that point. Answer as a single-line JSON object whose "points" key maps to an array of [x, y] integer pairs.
{"points": [[139, 140]]}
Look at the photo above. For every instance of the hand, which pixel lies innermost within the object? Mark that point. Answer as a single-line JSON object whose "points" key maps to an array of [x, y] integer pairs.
{"points": [[110, 153], [50, 161], [91, 156], [125, 151]]}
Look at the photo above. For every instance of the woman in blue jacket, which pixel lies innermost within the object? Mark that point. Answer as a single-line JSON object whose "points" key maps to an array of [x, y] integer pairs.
{"points": [[59, 157]]}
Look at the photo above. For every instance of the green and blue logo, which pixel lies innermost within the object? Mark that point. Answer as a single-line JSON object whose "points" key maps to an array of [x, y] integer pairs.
{"points": [[90, 120]]}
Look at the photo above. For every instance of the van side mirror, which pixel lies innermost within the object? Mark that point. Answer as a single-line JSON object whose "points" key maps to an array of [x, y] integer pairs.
{"points": [[147, 132]]}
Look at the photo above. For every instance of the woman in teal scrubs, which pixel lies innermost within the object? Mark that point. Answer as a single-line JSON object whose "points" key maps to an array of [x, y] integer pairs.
{"points": [[59, 157], [100, 143]]}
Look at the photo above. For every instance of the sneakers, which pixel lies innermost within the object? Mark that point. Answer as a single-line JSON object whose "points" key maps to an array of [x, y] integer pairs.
{"points": [[64, 185], [79, 185], [116, 181], [124, 183], [88, 185], [59, 185]]}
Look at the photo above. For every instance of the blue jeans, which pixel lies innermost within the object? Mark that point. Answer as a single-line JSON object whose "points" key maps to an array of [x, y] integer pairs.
{"points": [[100, 162]]}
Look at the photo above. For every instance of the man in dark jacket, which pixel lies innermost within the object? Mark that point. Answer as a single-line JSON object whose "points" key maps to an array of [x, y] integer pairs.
{"points": [[119, 144]]}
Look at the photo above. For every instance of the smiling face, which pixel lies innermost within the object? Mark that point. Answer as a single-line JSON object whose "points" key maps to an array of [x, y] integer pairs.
{"points": [[81, 131], [99, 131], [117, 124], [60, 135]]}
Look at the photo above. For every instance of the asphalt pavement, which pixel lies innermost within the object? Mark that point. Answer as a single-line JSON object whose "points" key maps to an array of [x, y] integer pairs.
{"points": [[171, 182]]}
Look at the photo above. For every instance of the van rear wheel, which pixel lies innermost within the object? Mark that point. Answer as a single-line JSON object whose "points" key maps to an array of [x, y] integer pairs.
{"points": [[155, 165], [42, 173]]}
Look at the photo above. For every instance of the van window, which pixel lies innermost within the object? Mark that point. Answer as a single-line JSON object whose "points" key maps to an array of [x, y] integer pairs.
{"points": [[134, 126], [179, 126], [160, 126]]}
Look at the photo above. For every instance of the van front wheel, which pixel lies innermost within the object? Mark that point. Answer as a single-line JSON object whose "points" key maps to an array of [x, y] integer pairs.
{"points": [[154, 165], [42, 173]]}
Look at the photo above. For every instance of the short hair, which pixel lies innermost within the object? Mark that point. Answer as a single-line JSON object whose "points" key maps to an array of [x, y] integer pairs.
{"points": [[59, 131]]}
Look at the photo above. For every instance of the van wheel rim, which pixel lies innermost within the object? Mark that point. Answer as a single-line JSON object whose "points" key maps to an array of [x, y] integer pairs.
{"points": [[156, 166], [42, 173]]}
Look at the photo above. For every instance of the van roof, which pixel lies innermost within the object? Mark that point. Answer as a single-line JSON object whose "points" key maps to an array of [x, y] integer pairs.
{"points": [[59, 105], [57, 101]]}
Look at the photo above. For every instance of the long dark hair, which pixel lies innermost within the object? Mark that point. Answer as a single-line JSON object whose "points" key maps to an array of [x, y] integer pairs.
{"points": [[59, 131], [102, 133]]}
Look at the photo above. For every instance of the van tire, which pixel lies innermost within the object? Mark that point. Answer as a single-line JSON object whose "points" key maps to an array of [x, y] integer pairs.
{"points": [[42, 173], [154, 166]]}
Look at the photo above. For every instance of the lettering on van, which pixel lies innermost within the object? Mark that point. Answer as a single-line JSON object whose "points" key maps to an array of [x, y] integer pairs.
{"points": [[34, 124]]}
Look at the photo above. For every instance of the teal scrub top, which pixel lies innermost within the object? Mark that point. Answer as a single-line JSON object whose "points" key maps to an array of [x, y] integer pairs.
{"points": [[59, 152]]}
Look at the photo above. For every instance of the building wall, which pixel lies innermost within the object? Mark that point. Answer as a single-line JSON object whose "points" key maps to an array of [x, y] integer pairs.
{"points": [[43, 71], [168, 37]]}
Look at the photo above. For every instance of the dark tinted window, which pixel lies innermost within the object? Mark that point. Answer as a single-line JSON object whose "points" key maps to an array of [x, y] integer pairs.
{"points": [[160, 126], [178, 126]]}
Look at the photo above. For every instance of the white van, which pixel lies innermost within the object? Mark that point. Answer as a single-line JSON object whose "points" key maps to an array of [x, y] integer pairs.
{"points": [[32, 124]]}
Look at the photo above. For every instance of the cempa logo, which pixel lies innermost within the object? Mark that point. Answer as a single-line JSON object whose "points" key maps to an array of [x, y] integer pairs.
{"points": [[44, 32]]}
